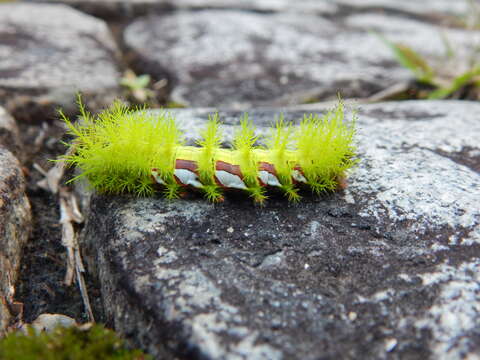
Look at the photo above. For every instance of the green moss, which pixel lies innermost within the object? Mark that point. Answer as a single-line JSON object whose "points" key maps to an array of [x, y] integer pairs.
{"points": [[67, 344]]}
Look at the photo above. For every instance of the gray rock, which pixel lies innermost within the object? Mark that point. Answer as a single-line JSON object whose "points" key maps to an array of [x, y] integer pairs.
{"points": [[49, 52], [48, 322], [412, 7], [388, 268], [9, 135], [238, 59], [15, 226], [112, 9]]}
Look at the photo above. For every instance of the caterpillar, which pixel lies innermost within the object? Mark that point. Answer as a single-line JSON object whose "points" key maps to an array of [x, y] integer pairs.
{"points": [[123, 150]]}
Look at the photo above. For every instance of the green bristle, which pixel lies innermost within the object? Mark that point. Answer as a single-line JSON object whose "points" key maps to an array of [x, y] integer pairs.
{"points": [[117, 149], [172, 190], [325, 149], [279, 144], [213, 192], [210, 142], [244, 145]]}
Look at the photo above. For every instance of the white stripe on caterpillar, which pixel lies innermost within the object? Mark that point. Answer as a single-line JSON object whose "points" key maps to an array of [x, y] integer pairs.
{"points": [[187, 177], [157, 177], [268, 178], [229, 180], [298, 176]]}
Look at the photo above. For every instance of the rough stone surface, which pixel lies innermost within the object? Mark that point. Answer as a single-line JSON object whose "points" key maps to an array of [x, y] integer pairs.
{"points": [[434, 10], [412, 7], [49, 52], [112, 9], [9, 136], [388, 268], [236, 59], [15, 227]]}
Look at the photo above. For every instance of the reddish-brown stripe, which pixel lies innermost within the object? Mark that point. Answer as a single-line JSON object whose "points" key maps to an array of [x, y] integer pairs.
{"points": [[187, 165], [267, 167], [342, 183]]}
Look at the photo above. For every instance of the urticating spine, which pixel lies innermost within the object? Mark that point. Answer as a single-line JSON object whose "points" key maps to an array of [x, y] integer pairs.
{"points": [[122, 150]]}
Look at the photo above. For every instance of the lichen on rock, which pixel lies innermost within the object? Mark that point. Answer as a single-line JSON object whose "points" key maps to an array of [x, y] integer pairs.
{"points": [[349, 273]]}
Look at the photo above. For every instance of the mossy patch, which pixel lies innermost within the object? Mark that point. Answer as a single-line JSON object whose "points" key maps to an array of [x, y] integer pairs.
{"points": [[71, 343]]}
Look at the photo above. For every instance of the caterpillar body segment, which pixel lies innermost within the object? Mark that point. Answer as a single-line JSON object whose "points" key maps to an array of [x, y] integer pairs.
{"points": [[227, 173], [122, 150]]}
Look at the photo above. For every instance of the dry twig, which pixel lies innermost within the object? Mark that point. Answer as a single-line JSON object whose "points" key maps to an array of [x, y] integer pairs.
{"points": [[69, 214]]}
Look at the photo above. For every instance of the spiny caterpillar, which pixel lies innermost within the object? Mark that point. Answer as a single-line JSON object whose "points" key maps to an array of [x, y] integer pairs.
{"points": [[123, 150]]}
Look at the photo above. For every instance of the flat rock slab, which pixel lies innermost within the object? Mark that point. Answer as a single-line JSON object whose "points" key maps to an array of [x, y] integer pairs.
{"points": [[15, 226], [388, 268], [412, 7], [238, 59], [49, 52], [111, 9], [114, 9]]}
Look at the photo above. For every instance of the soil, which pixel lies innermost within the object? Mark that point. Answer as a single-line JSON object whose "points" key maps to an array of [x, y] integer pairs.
{"points": [[41, 285]]}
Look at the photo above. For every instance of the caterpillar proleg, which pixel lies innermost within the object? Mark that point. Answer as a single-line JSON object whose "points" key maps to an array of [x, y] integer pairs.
{"points": [[124, 150]]}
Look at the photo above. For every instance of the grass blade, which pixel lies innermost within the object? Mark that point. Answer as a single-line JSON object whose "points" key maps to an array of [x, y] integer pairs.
{"points": [[411, 60], [457, 83]]}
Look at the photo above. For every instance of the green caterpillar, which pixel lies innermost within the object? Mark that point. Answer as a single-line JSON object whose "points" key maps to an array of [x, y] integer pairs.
{"points": [[124, 150]]}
